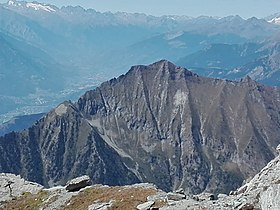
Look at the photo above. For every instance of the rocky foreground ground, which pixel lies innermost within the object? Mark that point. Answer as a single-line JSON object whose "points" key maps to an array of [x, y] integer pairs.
{"points": [[262, 192]]}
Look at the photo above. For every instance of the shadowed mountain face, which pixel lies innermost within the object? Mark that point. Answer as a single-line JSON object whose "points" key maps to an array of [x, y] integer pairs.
{"points": [[158, 123]]}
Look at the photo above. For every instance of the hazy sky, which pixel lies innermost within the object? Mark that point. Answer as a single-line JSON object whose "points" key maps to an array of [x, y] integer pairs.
{"points": [[244, 8]]}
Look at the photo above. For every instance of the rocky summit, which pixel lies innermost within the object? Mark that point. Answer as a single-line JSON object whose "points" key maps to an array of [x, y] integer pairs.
{"points": [[160, 124]]}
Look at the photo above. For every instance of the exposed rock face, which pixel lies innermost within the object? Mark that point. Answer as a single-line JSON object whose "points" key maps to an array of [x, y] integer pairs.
{"points": [[262, 192], [184, 130], [160, 124], [63, 145]]}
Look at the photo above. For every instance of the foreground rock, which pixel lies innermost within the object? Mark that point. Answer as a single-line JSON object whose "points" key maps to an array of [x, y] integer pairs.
{"points": [[93, 197], [100, 206], [12, 186], [145, 206], [262, 192], [175, 196], [78, 183]]}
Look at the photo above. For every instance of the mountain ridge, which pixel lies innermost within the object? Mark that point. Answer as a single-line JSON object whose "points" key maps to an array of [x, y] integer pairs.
{"points": [[162, 124]]}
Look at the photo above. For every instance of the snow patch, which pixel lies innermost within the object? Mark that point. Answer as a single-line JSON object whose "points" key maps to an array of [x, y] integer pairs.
{"points": [[173, 35], [40, 7], [275, 20], [61, 109], [180, 98], [234, 71], [11, 3]]}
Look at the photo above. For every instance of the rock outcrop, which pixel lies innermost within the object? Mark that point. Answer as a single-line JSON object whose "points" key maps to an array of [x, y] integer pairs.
{"points": [[160, 124], [12, 186], [262, 192], [145, 206]]}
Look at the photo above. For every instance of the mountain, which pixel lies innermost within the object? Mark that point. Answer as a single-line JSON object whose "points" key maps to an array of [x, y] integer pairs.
{"points": [[275, 18], [66, 51], [19, 123], [160, 124], [28, 77], [235, 61], [30, 80]]}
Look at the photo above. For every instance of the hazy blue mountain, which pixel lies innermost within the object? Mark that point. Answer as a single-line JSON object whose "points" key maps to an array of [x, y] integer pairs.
{"points": [[19, 123], [28, 77], [175, 45], [49, 54], [260, 61], [275, 18]]}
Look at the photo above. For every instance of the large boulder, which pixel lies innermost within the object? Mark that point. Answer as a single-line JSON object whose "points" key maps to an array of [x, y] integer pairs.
{"points": [[175, 196], [78, 183]]}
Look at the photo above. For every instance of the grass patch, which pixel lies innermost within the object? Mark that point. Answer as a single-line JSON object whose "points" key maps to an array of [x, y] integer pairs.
{"points": [[123, 198], [27, 201]]}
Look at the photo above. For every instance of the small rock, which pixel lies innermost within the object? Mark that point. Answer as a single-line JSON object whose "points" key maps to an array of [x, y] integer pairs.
{"points": [[78, 183], [157, 196], [180, 191], [278, 148], [237, 204], [204, 197], [175, 196], [233, 193], [171, 203], [247, 206], [242, 189], [145, 206], [99, 206], [221, 196]]}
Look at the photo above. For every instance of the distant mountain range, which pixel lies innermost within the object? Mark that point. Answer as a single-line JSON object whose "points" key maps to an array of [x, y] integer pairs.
{"points": [[260, 61], [19, 123], [51, 54]]}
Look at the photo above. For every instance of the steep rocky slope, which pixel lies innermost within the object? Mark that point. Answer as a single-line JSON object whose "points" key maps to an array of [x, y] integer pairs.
{"points": [[159, 123], [188, 130], [60, 146], [262, 192]]}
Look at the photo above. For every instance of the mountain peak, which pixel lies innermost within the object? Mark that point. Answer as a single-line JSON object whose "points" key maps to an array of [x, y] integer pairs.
{"points": [[32, 5], [164, 66], [38, 6], [14, 3]]}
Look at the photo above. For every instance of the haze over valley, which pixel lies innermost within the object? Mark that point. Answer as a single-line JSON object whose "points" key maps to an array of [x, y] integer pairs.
{"points": [[51, 54]]}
